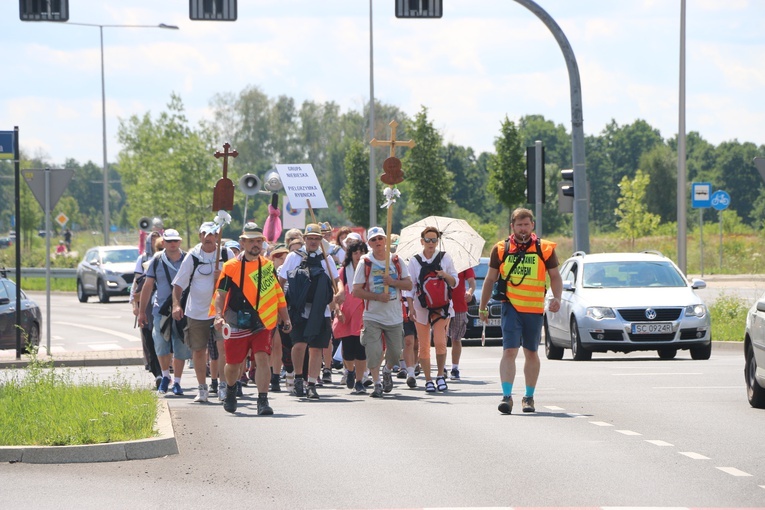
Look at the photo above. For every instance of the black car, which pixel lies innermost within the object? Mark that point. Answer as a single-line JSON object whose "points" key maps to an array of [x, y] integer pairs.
{"points": [[31, 318], [6, 242], [474, 325]]}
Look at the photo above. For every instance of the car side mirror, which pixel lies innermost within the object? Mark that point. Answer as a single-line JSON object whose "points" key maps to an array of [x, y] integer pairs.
{"points": [[568, 285], [698, 284], [761, 305], [5, 301]]}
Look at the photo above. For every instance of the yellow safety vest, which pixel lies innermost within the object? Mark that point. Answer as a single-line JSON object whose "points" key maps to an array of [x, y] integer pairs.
{"points": [[526, 284]]}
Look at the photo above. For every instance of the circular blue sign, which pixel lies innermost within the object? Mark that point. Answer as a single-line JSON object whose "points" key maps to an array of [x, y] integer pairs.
{"points": [[720, 200]]}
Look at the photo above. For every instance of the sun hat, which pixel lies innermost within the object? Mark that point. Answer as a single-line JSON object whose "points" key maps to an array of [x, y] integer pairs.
{"points": [[171, 235], [312, 229], [251, 230]]}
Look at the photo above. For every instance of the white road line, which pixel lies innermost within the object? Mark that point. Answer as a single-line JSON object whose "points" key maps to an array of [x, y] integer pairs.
{"points": [[554, 408], [658, 442], [664, 373], [130, 338], [762, 486], [694, 455], [732, 471], [629, 433], [695, 387], [575, 415], [601, 424]]}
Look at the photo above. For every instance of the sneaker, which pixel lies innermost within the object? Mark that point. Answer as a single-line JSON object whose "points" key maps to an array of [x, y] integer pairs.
{"points": [[378, 392], [417, 370], [401, 374], [455, 374], [239, 385], [289, 381], [214, 388], [387, 384], [275, 387], [243, 381], [157, 382], [163, 385], [229, 405], [367, 381], [337, 365], [311, 392], [528, 404], [359, 389], [177, 390], [441, 384], [430, 387], [251, 375], [344, 378], [411, 382], [350, 380], [263, 408], [201, 394], [326, 376], [299, 387], [506, 406], [222, 391]]}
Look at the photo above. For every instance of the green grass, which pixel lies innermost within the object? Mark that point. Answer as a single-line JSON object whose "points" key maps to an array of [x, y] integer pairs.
{"points": [[58, 284], [44, 406], [728, 315]]}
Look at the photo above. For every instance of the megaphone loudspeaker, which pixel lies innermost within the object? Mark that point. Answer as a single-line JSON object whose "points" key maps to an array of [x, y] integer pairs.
{"points": [[249, 184], [144, 224]]}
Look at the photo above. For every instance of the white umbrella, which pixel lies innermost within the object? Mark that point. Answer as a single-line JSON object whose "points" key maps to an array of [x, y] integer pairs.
{"points": [[458, 239]]}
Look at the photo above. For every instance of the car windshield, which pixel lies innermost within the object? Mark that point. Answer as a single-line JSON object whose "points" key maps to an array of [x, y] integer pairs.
{"points": [[120, 256], [620, 274]]}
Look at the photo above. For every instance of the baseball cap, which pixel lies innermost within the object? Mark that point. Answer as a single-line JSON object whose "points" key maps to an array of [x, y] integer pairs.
{"points": [[251, 230], [312, 229], [234, 245], [374, 232], [353, 236], [171, 235], [208, 227]]}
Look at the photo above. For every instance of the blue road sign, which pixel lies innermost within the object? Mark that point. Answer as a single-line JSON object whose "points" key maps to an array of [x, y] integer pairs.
{"points": [[701, 195], [720, 200], [6, 144]]}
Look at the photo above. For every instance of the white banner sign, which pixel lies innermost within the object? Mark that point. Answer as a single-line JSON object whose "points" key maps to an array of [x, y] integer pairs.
{"points": [[301, 185], [292, 218]]}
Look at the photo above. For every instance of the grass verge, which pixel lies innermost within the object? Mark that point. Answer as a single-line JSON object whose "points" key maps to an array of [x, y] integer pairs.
{"points": [[44, 406], [728, 314]]}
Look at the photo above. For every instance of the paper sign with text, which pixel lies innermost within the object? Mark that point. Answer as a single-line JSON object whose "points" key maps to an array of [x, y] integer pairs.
{"points": [[301, 185]]}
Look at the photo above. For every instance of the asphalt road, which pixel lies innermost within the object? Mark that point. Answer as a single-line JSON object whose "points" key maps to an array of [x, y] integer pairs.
{"points": [[622, 430]]}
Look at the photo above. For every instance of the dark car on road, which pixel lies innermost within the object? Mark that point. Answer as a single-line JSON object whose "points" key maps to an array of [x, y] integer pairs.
{"points": [[30, 316], [106, 271], [474, 325]]}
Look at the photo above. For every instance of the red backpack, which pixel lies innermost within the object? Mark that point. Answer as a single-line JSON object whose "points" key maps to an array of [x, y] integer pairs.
{"points": [[433, 291]]}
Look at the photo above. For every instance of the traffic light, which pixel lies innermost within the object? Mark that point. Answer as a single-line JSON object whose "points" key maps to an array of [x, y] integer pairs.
{"points": [[530, 174], [419, 8], [212, 10], [44, 10], [566, 191]]}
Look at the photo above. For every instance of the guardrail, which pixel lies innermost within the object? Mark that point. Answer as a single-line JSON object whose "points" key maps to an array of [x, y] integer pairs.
{"points": [[39, 272]]}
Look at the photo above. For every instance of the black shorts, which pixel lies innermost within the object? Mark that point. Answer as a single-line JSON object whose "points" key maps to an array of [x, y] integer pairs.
{"points": [[410, 329], [320, 341], [352, 348]]}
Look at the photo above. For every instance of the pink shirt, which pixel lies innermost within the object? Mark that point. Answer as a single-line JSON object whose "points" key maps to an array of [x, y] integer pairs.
{"points": [[353, 309]]}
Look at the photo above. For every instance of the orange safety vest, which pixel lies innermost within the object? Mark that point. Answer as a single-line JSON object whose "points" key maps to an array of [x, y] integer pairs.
{"points": [[526, 284]]}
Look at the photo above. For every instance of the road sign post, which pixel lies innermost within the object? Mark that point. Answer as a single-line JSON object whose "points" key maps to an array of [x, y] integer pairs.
{"points": [[701, 198], [720, 201]]}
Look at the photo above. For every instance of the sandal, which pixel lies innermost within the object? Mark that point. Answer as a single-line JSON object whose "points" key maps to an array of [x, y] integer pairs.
{"points": [[430, 387], [441, 382]]}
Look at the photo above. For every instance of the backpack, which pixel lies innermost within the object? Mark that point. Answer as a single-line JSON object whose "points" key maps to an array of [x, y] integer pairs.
{"points": [[432, 291], [302, 283], [368, 270]]}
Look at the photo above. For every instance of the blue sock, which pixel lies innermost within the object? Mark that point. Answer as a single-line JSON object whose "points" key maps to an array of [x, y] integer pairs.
{"points": [[530, 391], [507, 389]]}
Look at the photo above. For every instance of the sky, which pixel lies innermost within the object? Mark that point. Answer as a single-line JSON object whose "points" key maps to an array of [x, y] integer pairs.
{"points": [[484, 60]]}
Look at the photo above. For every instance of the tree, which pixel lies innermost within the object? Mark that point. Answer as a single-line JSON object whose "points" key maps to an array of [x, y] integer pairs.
{"points": [[355, 193], [506, 181], [660, 164], [634, 219], [428, 182]]}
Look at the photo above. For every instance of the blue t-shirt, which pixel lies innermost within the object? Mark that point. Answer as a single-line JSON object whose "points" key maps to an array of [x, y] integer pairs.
{"points": [[164, 286]]}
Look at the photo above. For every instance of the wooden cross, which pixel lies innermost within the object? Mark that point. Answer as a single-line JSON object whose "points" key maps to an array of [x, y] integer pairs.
{"points": [[392, 166], [225, 155]]}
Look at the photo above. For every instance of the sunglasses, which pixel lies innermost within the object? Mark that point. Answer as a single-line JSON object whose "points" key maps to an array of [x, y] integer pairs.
{"points": [[431, 240], [375, 239]]}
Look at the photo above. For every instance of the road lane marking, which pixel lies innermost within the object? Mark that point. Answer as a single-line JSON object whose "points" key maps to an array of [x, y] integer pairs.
{"points": [[695, 387], [663, 373], [601, 424], [732, 471], [629, 433], [658, 442], [575, 415], [554, 408], [694, 455], [129, 338]]}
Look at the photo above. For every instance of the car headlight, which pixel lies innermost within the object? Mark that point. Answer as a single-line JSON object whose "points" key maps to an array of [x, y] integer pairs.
{"points": [[600, 312], [695, 310]]}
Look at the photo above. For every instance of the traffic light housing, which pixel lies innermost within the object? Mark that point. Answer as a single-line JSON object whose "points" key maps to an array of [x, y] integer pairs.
{"points": [[44, 10], [530, 174], [566, 191], [213, 10], [419, 8]]}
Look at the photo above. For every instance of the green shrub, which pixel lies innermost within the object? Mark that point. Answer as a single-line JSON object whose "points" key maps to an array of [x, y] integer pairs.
{"points": [[728, 315]]}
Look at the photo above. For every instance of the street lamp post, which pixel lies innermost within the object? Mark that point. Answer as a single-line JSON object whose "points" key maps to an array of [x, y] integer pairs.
{"points": [[107, 222]]}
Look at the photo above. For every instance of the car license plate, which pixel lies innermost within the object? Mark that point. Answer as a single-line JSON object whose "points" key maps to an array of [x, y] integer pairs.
{"points": [[651, 328], [492, 322]]}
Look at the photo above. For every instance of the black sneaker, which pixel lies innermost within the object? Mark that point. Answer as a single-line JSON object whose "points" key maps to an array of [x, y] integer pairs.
{"points": [[326, 376], [455, 374], [387, 384], [299, 387], [359, 389], [229, 405], [214, 387], [312, 393], [506, 406], [351, 379], [411, 381], [401, 374], [378, 393], [263, 408], [275, 387], [528, 404], [239, 389]]}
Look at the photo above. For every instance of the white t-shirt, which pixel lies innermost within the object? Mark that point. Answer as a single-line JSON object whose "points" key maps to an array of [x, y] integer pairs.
{"points": [[203, 283], [388, 313], [294, 259], [447, 265]]}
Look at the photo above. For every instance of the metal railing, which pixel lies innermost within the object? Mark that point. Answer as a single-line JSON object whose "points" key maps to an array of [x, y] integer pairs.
{"points": [[39, 272]]}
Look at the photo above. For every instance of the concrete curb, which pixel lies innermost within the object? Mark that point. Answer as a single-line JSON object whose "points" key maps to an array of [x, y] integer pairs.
{"points": [[162, 444]]}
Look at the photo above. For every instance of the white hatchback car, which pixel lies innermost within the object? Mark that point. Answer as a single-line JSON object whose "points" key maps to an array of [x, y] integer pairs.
{"points": [[754, 354], [627, 302]]}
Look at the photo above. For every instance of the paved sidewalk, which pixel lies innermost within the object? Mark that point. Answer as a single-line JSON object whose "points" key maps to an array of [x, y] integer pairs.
{"points": [[77, 358]]}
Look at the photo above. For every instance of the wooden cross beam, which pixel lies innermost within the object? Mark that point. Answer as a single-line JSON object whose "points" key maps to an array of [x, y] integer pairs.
{"points": [[225, 155], [393, 143]]}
